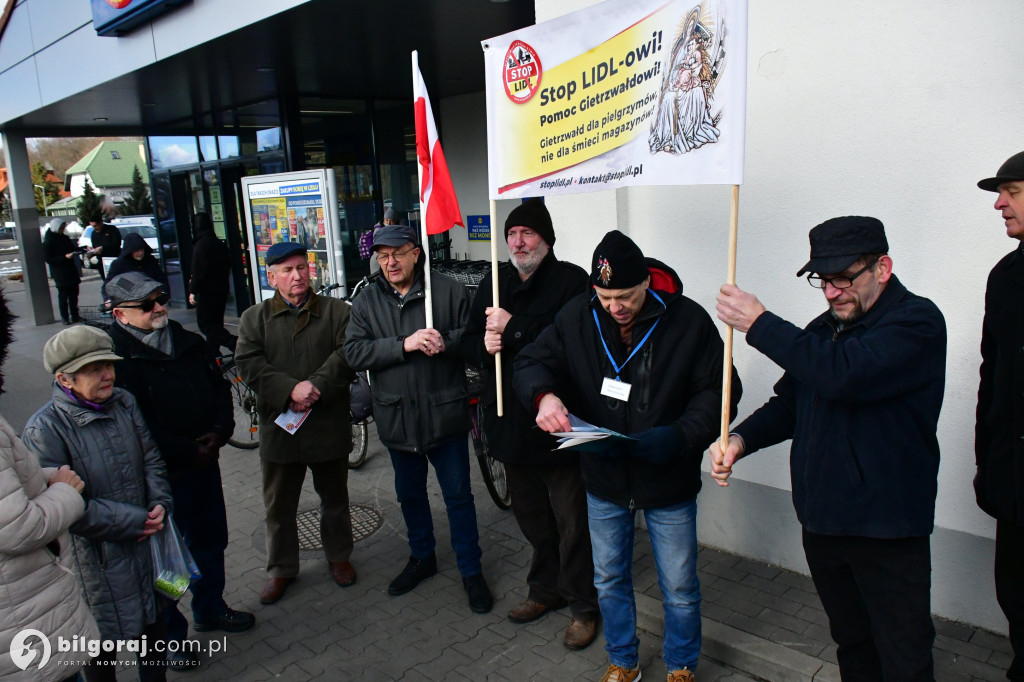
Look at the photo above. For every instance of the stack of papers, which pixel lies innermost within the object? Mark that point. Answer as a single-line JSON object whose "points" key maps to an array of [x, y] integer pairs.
{"points": [[586, 436]]}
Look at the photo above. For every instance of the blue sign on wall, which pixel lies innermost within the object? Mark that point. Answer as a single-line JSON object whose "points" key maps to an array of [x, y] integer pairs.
{"points": [[117, 17], [479, 227]]}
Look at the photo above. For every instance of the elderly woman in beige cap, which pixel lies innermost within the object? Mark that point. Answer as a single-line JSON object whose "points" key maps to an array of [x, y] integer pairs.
{"points": [[99, 431]]}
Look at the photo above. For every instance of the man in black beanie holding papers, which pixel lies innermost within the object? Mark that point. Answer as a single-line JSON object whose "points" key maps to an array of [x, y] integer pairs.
{"points": [[640, 359]]}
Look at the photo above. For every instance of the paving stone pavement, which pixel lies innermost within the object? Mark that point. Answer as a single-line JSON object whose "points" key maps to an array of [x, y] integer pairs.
{"points": [[760, 619]]}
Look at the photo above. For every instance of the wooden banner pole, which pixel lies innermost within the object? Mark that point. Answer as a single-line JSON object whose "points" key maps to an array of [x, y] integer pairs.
{"points": [[731, 279], [494, 295]]}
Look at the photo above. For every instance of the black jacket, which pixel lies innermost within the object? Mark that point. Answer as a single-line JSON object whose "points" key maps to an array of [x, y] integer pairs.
{"points": [[63, 270], [110, 240], [181, 397], [676, 379], [419, 402], [148, 266], [515, 438], [211, 266], [999, 434], [861, 406]]}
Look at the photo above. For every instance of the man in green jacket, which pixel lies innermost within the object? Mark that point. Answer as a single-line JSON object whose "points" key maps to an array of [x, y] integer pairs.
{"points": [[290, 352]]}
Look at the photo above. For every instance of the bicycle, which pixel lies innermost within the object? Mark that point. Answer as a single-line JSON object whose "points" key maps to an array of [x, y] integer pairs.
{"points": [[492, 471], [247, 421]]}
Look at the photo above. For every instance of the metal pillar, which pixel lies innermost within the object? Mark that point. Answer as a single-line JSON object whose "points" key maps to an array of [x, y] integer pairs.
{"points": [[26, 220]]}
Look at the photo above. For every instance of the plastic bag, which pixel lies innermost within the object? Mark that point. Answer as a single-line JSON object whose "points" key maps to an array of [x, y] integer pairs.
{"points": [[174, 569]]}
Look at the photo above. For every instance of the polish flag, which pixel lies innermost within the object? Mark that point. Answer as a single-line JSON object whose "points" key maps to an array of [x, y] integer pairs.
{"points": [[440, 208]]}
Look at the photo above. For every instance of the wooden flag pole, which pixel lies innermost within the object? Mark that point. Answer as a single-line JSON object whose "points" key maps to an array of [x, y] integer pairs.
{"points": [[494, 299], [731, 279]]}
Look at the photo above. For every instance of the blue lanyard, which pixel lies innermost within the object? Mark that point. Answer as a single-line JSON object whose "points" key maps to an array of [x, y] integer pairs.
{"points": [[618, 368]]}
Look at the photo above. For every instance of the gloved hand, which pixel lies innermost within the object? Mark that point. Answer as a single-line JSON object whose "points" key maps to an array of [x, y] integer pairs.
{"points": [[658, 444], [208, 449]]}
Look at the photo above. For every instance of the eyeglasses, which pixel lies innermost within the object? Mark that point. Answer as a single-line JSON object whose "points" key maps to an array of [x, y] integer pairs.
{"points": [[383, 258], [150, 303], [819, 282]]}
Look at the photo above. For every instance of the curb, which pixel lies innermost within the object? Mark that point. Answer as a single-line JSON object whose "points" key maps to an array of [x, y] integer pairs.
{"points": [[748, 653]]}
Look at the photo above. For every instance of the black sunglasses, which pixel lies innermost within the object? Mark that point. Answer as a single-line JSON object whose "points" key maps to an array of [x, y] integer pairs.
{"points": [[150, 303]]}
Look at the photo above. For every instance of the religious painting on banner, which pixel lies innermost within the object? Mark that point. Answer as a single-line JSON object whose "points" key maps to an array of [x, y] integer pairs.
{"points": [[627, 92]]}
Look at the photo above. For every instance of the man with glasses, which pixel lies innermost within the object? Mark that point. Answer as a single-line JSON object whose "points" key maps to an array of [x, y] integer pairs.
{"points": [[419, 403], [860, 398], [187, 405], [999, 433]]}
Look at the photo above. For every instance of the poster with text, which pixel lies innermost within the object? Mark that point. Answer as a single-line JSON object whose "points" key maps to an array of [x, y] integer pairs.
{"points": [[626, 92]]}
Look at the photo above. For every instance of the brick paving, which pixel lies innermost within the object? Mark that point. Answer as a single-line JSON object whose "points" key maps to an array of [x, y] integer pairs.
{"points": [[322, 632]]}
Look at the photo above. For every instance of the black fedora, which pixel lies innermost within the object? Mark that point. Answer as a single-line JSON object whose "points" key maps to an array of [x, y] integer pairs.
{"points": [[1012, 169]]}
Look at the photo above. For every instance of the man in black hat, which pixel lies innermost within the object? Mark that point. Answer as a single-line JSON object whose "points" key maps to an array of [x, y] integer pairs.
{"points": [[548, 498], [641, 359], [999, 435], [418, 379], [860, 398], [290, 352]]}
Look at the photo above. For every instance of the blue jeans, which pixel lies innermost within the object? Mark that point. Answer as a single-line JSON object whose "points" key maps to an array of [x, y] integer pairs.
{"points": [[451, 465], [673, 533]]}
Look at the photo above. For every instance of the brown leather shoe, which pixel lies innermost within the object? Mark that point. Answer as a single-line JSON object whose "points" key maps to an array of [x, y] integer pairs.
{"points": [[530, 611], [343, 573], [274, 589], [580, 634]]}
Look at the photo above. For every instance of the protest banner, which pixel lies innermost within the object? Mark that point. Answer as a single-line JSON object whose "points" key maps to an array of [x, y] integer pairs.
{"points": [[644, 92]]}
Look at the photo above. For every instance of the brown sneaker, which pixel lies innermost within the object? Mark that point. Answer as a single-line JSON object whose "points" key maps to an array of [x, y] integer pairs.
{"points": [[580, 634], [616, 674], [684, 675]]}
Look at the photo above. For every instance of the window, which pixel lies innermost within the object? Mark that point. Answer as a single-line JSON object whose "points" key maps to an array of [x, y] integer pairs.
{"points": [[115, 154]]}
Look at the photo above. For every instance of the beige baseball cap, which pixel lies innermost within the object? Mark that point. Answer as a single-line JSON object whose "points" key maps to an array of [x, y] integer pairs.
{"points": [[75, 347]]}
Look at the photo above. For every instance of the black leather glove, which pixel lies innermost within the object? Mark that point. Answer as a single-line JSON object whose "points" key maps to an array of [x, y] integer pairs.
{"points": [[655, 445]]}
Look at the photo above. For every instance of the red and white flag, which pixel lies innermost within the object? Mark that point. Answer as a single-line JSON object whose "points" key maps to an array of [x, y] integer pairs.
{"points": [[439, 206]]}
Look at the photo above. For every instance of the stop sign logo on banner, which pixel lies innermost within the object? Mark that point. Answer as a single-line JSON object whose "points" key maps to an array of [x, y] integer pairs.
{"points": [[522, 72]]}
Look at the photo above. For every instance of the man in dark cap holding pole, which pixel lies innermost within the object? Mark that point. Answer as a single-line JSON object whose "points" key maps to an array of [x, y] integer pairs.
{"points": [[860, 398], [548, 498], [639, 358], [999, 434]]}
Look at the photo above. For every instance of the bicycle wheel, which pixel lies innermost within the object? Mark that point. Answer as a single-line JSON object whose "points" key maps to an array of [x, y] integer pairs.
{"points": [[357, 457], [492, 470], [247, 424]]}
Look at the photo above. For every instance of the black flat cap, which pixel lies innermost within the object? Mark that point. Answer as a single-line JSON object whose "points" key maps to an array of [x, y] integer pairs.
{"points": [[1012, 169], [836, 244], [393, 235]]}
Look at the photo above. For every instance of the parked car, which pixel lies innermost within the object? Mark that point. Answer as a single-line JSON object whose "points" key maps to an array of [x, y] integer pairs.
{"points": [[7, 231]]}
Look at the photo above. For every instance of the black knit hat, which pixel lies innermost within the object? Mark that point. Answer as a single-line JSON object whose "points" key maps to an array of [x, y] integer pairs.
{"points": [[618, 263], [533, 214]]}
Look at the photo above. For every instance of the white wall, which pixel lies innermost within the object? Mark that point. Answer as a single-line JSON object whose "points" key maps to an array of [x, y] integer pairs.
{"points": [[893, 110]]}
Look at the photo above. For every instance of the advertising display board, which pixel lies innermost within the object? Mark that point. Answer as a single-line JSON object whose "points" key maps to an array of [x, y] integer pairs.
{"points": [[300, 207]]}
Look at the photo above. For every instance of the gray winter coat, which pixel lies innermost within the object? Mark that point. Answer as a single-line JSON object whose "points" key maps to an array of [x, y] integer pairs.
{"points": [[38, 587], [418, 401], [113, 452]]}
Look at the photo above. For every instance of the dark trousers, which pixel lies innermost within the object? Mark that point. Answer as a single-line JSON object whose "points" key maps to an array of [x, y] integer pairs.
{"points": [[210, 320], [451, 465], [200, 516], [282, 486], [152, 667], [877, 595], [1010, 589], [67, 302], [550, 505]]}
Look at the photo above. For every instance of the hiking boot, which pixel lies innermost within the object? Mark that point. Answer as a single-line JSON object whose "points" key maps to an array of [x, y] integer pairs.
{"points": [[580, 634], [415, 572], [684, 675], [480, 599], [615, 673], [530, 610]]}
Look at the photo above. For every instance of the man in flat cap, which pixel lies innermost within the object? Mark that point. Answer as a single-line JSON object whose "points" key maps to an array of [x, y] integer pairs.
{"points": [[639, 358], [187, 405], [999, 435], [418, 379], [290, 352], [860, 398], [548, 498]]}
